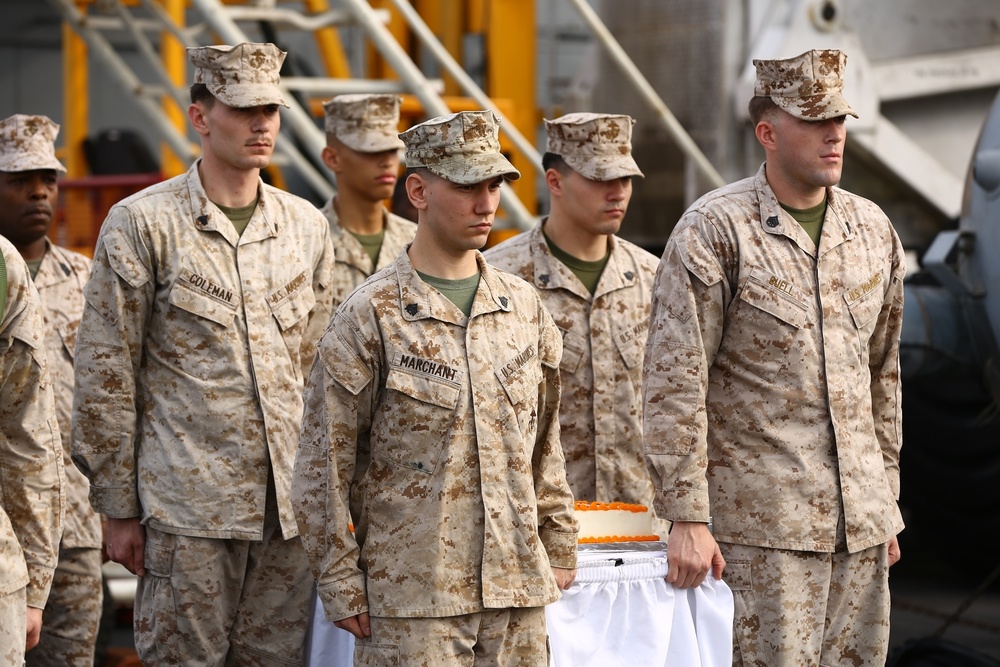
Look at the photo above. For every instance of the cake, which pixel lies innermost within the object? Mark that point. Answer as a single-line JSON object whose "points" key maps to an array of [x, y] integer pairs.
{"points": [[614, 522]]}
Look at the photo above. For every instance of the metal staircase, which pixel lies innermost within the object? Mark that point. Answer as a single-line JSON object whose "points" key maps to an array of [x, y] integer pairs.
{"points": [[149, 24]]}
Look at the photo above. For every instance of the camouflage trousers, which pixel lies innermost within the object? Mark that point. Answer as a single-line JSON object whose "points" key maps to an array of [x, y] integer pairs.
{"points": [[495, 637], [805, 609], [72, 612], [214, 602], [13, 628]]}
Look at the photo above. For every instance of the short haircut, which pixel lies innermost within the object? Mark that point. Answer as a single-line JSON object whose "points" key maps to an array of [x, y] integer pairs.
{"points": [[201, 93], [555, 161], [760, 108]]}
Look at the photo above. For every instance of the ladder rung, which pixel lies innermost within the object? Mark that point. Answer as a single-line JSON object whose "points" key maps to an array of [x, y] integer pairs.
{"points": [[330, 87]]}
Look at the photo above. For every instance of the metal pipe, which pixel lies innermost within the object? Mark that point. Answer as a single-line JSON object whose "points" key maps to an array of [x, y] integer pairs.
{"points": [[103, 51], [301, 122], [674, 128], [469, 87], [331, 87], [147, 50], [431, 101]]}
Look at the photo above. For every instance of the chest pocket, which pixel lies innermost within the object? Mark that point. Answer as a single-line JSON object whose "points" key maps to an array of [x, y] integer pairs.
{"points": [[422, 414], [197, 303], [194, 339], [67, 334], [574, 348], [296, 306], [866, 309], [631, 344], [763, 326], [776, 303]]}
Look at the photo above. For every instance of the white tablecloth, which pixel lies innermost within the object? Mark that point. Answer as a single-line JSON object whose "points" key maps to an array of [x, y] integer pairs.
{"points": [[619, 612]]}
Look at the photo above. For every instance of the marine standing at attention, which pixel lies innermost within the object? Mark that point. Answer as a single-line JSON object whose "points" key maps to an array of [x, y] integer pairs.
{"points": [[597, 287], [207, 296], [772, 387], [362, 150], [29, 192], [31, 495], [432, 425]]}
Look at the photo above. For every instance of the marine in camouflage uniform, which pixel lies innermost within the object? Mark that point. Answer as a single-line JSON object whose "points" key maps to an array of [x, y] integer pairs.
{"points": [[31, 497], [189, 377], [431, 424], [363, 151], [589, 170], [772, 387], [28, 194]]}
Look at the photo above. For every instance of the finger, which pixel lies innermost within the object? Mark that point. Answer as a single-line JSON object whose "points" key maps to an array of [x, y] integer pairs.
{"points": [[139, 559], [365, 624]]}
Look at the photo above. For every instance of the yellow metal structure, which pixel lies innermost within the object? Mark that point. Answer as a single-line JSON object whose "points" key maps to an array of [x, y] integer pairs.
{"points": [[505, 29]]}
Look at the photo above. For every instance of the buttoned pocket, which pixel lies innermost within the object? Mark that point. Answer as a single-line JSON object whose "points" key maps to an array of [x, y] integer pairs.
{"points": [[763, 333], [423, 415], [574, 348], [201, 324], [370, 654], [67, 334], [746, 626]]}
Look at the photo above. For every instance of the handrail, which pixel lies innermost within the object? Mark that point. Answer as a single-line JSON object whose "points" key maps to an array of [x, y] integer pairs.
{"points": [[642, 85], [301, 122], [429, 98]]}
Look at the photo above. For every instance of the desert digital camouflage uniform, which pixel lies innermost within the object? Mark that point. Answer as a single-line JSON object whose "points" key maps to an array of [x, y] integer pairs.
{"points": [[31, 497], [73, 612], [603, 335], [773, 403], [354, 265], [804, 332], [437, 435], [189, 367]]}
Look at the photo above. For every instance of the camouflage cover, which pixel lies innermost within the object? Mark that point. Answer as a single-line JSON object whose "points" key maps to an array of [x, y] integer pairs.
{"points": [[771, 381], [604, 334], [438, 436]]}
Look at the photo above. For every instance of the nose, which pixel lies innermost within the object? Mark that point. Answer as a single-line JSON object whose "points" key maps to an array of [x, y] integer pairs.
{"points": [[487, 201], [39, 188], [617, 189]]}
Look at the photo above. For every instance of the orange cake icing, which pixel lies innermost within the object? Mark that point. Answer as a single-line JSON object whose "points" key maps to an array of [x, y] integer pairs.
{"points": [[614, 522]]}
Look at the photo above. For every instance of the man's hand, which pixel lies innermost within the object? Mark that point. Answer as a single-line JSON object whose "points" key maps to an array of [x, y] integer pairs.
{"points": [[564, 577], [691, 552], [360, 626], [34, 628], [894, 551], [125, 541]]}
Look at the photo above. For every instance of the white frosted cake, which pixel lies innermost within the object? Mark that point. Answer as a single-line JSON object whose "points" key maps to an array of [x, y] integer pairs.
{"points": [[614, 522]]}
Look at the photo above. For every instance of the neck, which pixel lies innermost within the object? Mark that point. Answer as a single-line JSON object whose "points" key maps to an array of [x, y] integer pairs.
{"points": [[33, 250], [792, 194], [439, 262], [227, 186], [357, 214], [574, 240]]}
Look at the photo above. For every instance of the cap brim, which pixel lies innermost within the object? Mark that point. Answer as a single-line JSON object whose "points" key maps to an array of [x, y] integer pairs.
{"points": [[604, 168], [372, 142], [816, 107], [469, 170], [27, 162], [245, 95]]}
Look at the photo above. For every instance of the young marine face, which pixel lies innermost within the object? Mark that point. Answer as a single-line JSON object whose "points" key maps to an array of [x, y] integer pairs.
{"points": [[27, 204], [808, 154], [371, 175], [242, 138], [596, 207], [459, 217]]}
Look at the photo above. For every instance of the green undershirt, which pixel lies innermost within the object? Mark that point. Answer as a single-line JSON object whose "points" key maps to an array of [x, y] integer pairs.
{"points": [[34, 265], [3, 286], [461, 292], [240, 216], [811, 219], [372, 243], [589, 273]]}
